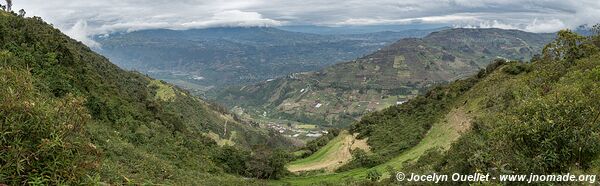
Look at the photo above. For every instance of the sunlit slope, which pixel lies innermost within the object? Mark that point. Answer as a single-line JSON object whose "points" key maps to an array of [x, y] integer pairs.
{"points": [[453, 121], [331, 156], [441, 135]]}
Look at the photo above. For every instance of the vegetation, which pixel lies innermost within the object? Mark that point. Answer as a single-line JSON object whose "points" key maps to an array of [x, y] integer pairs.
{"points": [[71, 117], [199, 59], [401, 127], [540, 117], [314, 145], [553, 124], [339, 95], [328, 158]]}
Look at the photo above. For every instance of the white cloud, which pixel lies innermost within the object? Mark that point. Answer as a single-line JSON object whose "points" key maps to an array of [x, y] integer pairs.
{"points": [[429, 19], [233, 18], [125, 15], [490, 24], [544, 26], [80, 32]]}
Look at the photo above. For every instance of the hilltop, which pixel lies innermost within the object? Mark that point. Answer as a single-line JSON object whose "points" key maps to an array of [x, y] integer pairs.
{"points": [[340, 94]]}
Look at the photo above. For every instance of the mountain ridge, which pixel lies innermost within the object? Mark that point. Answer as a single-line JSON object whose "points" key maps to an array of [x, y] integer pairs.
{"points": [[389, 76], [511, 118], [201, 59]]}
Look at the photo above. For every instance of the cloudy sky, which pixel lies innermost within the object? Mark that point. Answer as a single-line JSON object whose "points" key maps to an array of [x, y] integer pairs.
{"points": [[82, 18]]}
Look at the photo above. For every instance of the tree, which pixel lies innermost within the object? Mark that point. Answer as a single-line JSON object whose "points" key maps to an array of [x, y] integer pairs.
{"points": [[22, 13], [373, 175], [267, 164], [568, 46], [596, 36], [8, 5], [233, 159]]}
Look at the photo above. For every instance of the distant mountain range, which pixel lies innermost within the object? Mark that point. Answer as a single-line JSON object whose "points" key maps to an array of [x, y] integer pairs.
{"points": [[203, 58], [342, 93]]}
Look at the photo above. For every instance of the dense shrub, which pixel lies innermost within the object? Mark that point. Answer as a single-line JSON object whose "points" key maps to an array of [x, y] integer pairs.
{"points": [[69, 116], [42, 138], [515, 68], [546, 123], [400, 127]]}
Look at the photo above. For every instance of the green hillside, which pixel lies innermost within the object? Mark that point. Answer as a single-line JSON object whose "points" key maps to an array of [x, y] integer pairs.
{"points": [[69, 116], [540, 117], [331, 156], [340, 94]]}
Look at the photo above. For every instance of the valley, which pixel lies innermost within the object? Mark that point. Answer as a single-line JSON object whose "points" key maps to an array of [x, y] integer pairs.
{"points": [[339, 95], [248, 98], [202, 59], [467, 120]]}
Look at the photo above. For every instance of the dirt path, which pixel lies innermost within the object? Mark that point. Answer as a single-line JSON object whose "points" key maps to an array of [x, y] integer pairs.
{"points": [[332, 155], [459, 120], [442, 134]]}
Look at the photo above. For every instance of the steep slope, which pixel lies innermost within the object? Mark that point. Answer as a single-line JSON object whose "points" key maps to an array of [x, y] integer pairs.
{"points": [[511, 118], [202, 58], [330, 156], [69, 116], [339, 94]]}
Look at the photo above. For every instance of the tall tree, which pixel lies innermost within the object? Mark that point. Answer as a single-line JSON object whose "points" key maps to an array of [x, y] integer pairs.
{"points": [[568, 46], [8, 5], [22, 13]]}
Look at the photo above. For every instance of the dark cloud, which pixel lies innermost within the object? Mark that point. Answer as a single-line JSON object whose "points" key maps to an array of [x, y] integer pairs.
{"points": [[83, 18]]}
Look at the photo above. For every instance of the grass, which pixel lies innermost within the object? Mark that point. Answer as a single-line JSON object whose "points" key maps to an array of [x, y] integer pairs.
{"points": [[442, 134], [163, 92], [322, 153], [220, 141]]}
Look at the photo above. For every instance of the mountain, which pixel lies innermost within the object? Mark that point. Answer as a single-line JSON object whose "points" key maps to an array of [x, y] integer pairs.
{"points": [[68, 116], [200, 59], [342, 93], [540, 117]]}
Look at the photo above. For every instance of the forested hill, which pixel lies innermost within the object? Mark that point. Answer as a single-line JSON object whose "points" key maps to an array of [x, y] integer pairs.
{"points": [[69, 116], [342, 93]]}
